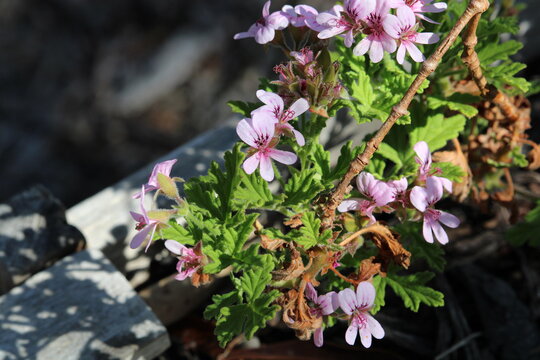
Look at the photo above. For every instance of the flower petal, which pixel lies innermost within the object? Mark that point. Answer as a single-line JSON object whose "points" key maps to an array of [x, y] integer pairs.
{"points": [[434, 190], [426, 38], [375, 327], [347, 301], [449, 220], [175, 247], [365, 337], [418, 198], [362, 47], [264, 34], [139, 238], [350, 334], [392, 26], [299, 137], [251, 163], [440, 234], [365, 295], [318, 338], [349, 204], [311, 293], [426, 231], [284, 157], [246, 133], [266, 169], [376, 51], [299, 107]]}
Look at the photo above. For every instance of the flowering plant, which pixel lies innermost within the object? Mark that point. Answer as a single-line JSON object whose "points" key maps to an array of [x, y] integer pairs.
{"points": [[316, 265]]}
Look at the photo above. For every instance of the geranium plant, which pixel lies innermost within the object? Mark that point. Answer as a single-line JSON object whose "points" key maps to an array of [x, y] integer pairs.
{"points": [[345, 231]]}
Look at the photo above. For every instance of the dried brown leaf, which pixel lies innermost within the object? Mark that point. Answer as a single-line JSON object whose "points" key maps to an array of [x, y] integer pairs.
{"points": [[272, 244], [390, 249], [534, 157], [292, 270], [295, 221], [460, 190]]}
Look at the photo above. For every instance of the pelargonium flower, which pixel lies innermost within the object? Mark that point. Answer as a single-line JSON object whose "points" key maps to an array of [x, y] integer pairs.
{"points": [[160, 168], [188, 261], [323, 305], [377, 192], [265, 28], [399, 187], [424, 199], [350, 23], [403, 28], [258, 133], [309, 15], [377, 40], [295, 19], [147, 225], [419, 7], [423, 159], [274, 108], [357, 306]]}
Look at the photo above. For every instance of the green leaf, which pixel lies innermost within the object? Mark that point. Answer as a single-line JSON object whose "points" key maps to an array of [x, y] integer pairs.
{"points": [[450, 171], [433, 254], [243, 108], [254, 193], [497, 26], [437, 130], [379, 283], [494, 51], [301, 188], [309, 235], [527, 231], [437, 102], [321, 161], [346, 156], [413, 292], [388, 152], [175, 232]]}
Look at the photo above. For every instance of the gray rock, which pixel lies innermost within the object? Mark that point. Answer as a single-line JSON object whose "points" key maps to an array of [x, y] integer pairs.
{"points": [[80, 308], [33, 235]]}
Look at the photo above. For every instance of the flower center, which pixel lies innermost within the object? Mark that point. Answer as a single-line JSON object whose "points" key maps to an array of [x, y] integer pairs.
{"points": [[262, 141], [432, 214], [140, 225]]}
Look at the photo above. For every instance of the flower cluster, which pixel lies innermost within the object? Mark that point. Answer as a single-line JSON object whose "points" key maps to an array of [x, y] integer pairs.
{"points": [[355, 305], [263, 130], [386, 196], [377, 26]]}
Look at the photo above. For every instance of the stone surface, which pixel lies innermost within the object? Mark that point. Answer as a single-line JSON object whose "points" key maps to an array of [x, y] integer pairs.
{"points": [[33, 235], [80, 308]]}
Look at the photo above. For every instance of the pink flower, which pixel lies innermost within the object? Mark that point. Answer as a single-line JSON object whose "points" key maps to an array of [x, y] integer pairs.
{"points": [[419, 7], [258, 133], [403, 28], [309, 15], [424, 199], [352, 22], [323, 305], [378, 41], [145, 226], [295, 19], [377, 192], [423, 159], [160, 168], [399, 187], [188, 261], [274, 108], [357, 306], [265, 28]]}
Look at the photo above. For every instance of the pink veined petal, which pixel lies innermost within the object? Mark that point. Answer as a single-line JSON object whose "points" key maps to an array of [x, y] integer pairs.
{"points": [[266, 9], [362, 47], [449, 220], [365, 337], [153, 226], [277, 20], [376, 51], [364, 8], [264, 34], [389, 44], [318, 338], [418, 197], [263, 125], [267, 172], [434, 190], [251, 163], [299, 107], [349, 204], [327, 303], [349, 38], [426, 231], [426, 38], [331, 31], [347, 301], [392, 26], [139, 238], [365, 295], [375, 327], [284, 157], [305, 10], [365, 182], [440, 234], [422, 150], [299, 137], [395, 3], [246, 132], [184, 274], [137, 217], [406, 16], [415, 53], [325, 17], [164, 168], [175, 247], [311, 293], [401, 51], [350, 334], [270, 98], [434, 8]]}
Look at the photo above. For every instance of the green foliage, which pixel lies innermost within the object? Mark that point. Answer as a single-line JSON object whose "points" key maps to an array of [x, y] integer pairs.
{"points": [[412, 290], [456, 102], [300, 189], [242, 107], [379, 283], [527, 231], [450, 171], [432, 254], [248, 307], [310, 235]]}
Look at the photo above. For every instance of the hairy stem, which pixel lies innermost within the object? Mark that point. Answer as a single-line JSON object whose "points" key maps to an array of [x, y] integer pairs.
{"points": [[475, 8]]}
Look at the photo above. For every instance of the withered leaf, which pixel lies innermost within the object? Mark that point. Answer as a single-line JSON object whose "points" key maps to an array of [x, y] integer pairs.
{"points": [[294, 221], [292, 270], [271, 244], [390, 249]]}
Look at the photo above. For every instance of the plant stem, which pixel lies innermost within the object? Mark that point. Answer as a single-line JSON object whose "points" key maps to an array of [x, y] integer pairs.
{"points": [[475, 8]]}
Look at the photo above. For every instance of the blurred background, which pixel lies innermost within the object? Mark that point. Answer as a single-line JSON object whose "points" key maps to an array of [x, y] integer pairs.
{"points": [[90, 91]]}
